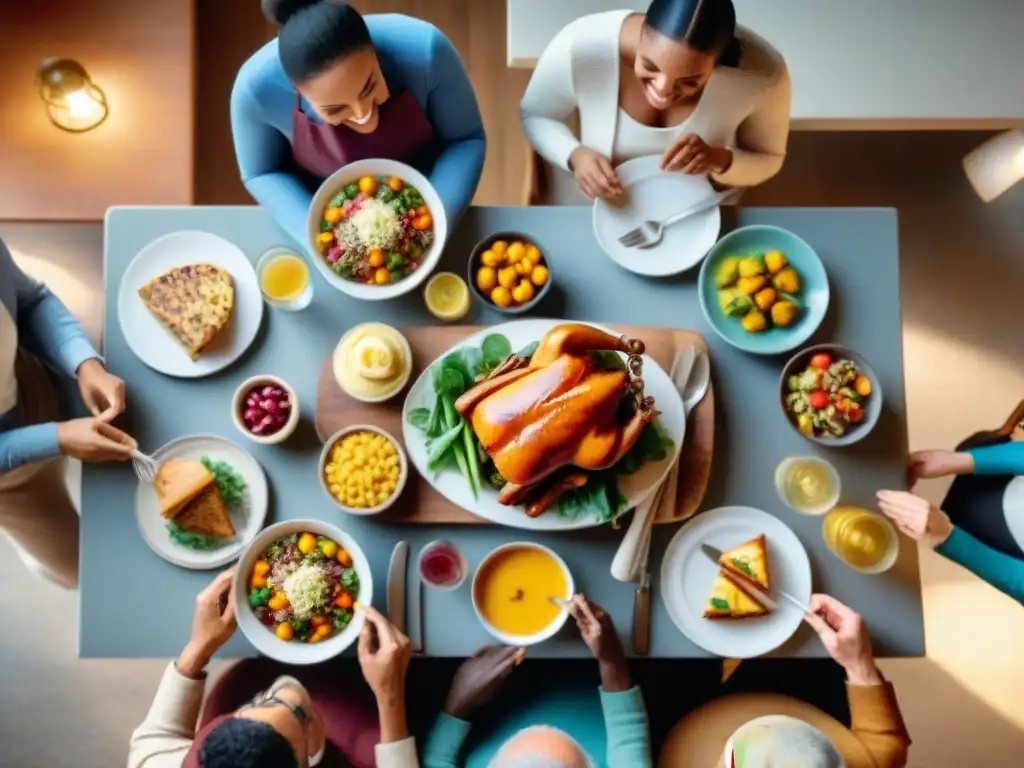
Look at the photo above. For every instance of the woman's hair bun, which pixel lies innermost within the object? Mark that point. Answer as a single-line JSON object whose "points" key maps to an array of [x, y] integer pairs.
{"points": [[279, 11]]}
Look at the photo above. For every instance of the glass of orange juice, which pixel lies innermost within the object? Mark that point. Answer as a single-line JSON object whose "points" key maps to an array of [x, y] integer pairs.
{"points": [[284, 279], [862, 539]]}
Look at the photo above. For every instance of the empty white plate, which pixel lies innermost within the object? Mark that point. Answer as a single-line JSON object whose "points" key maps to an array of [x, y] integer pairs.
{"points": [[147, 337], [653, 195], [247, 517], [687, 575]]}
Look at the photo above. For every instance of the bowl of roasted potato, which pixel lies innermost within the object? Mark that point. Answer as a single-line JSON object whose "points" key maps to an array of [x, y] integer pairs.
{"points": [[763, 289], [510, 272]]}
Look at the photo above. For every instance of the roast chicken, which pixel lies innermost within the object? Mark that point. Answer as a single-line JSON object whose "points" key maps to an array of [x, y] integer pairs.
{"points": [[558, 410]]}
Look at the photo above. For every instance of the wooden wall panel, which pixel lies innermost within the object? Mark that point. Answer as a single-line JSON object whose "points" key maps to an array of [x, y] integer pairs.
{"points": [[230, 30]]}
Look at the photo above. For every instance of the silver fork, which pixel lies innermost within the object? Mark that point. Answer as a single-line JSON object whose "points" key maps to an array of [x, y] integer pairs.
{"points": [[650, 233], [145, 466]]}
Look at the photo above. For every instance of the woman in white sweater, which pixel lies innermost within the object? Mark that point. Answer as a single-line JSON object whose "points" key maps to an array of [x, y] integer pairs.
{"points": [[682, 81], [259, 716]]}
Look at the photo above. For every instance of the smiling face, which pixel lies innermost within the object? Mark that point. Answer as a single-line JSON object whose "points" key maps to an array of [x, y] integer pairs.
{"points": [[349, 92], [670, 71]]}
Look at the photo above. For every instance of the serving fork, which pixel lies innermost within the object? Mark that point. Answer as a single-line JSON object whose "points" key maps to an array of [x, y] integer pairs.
{"points": [[650, 233], [145, 466]]}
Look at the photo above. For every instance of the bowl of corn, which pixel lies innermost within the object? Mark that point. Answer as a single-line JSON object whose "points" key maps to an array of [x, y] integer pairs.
{"points": [[363, 469]]}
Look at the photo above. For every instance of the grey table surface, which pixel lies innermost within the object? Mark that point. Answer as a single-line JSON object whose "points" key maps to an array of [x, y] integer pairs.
{"points": [[134, 604]]}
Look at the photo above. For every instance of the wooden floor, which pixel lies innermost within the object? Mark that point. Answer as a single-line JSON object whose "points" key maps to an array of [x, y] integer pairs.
{"points": [[230, 30]]}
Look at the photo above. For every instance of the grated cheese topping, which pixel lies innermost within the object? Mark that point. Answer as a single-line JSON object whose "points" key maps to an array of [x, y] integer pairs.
{"points": [[374, 225], [306, 590]]}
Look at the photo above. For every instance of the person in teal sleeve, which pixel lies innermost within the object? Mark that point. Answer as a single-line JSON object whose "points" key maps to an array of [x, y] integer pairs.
{"points": [[555, 727], [982, 527], [335, 87], [35, 510]]}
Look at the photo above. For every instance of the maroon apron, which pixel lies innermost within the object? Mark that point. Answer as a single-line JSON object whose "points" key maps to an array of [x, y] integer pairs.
{"points": [[321, 148]]}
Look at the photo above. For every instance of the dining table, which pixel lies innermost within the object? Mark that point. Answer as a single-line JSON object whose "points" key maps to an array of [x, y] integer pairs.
{"points": [[135, 604]]}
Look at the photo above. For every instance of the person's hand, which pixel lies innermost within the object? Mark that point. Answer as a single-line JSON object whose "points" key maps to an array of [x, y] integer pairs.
{"points": [[212, 624], [916, 517], [102, 391], [595, 175], [92, 439], [480, 677], [926, 464], [845, 637], [599, 634], [384, 654], [692, 155]]}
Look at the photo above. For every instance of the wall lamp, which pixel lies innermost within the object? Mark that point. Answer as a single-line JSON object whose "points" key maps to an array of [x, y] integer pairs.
{"points": [[73, 101], [996, 165]]}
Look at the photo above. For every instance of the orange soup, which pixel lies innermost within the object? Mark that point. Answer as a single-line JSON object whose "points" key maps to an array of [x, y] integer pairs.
{"points": [[513, 587]]}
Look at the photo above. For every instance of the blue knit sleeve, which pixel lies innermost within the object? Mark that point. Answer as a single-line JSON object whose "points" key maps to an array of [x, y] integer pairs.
{"points": [[455, 117], [1003, 572], [629, 737], [1003, 459]]}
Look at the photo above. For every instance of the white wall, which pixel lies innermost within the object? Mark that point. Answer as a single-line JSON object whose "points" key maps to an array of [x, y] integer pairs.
{"points": [[858, 63]]}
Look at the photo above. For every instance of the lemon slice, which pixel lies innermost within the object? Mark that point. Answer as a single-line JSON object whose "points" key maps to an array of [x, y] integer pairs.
{"points": [[447, 296], [374, 358]]}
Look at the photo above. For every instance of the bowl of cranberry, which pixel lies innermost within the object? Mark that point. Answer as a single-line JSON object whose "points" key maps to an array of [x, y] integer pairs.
{"points": [[265, 409]]}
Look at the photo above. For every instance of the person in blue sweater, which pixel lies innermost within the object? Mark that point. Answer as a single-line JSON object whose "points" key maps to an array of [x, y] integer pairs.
{"points": [[335, 87], [984, 528], [35, 510], [557, 727]]}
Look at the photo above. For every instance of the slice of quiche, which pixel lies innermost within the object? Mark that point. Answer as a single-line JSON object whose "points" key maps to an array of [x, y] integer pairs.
{"points": [[749, 561], [193, 302], [728, 601]]}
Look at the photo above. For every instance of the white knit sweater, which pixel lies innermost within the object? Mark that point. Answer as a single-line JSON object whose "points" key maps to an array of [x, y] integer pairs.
{"points": [[745, 108]]}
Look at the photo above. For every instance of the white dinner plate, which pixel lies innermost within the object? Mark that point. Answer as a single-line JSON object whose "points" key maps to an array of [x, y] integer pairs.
{"points": [[451, 484], [148, 338], [687, 575], [248, 517], [653, 195]]}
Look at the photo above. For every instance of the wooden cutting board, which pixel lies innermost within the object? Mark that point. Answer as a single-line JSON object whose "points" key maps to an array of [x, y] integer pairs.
{"points": [[420, 503]]}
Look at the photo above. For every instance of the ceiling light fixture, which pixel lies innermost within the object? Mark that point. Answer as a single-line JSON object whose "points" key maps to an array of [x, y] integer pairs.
{"points": [[73, 101]]}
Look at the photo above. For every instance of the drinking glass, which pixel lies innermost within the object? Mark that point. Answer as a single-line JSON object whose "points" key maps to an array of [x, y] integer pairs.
{"points": [[288, 259]]}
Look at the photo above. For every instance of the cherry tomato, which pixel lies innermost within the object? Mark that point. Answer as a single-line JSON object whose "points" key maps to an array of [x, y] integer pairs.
{"points": [[344, 600], [855, 415], [422, 210], [818, 399], [395, 184], [821, 361], [422, 222]]}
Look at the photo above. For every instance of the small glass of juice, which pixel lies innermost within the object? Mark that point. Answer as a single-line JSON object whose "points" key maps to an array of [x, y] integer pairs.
{"points": [[807, 484], [862, 539], [284, 279], [442, 565]]}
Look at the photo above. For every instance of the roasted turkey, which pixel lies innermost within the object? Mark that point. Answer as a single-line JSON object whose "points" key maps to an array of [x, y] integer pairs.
{"points": [[557, 410]]}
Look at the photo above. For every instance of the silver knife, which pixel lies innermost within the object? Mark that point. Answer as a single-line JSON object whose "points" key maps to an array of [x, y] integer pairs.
{"points": [[642, 604], [758, 594], [396, 585], [416, 629]]}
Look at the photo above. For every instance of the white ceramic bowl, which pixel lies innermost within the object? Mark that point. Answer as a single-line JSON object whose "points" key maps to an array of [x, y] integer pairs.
{"points": [[406, 351], [238, 406], [548, 632], [353, 172], [262, 638], [403, 469]]}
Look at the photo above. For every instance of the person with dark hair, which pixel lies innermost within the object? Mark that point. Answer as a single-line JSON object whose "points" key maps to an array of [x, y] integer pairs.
{"points": [[558, 725], [261, 714], [682, 81], [980, 524], [334, 87]]}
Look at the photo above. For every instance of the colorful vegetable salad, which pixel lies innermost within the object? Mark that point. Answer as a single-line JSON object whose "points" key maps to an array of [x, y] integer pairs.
{"points": [[375, 230], [304, 588], [828, 397]]}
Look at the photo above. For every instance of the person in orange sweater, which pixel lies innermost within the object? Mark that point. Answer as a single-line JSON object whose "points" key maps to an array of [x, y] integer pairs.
{"points": [[746, 730]]}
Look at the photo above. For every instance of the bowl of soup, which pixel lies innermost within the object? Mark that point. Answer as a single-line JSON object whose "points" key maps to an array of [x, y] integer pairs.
{"points": [[511, 591]]}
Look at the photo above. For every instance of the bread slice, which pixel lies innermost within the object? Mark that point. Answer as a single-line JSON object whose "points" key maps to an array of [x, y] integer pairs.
{"points": [[177, 482], [728, 601], [193, 303], [206, 514], [749, 561]]}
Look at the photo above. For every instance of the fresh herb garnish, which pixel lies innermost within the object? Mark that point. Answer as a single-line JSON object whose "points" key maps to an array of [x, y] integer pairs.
{"points": [[742, 566], [717, 602], [259, 597], [229, 483], [197, 541], [342, 618], [350, 581]]}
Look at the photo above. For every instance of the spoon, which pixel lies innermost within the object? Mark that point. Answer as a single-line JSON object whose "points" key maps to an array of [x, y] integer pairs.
{"points": [[145, 466], [560, 602]]}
